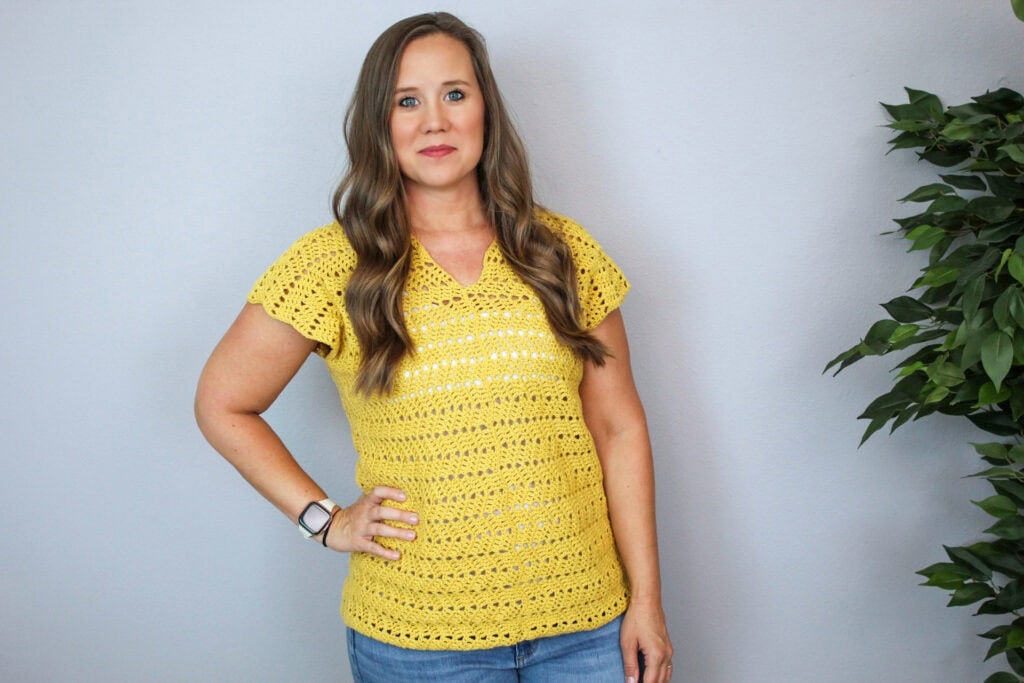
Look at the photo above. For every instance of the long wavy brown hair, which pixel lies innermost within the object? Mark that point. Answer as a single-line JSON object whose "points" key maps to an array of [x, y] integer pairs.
{"points": [[370, 206]]}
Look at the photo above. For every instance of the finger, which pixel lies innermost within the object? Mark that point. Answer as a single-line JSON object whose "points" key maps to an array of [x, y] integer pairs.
{"points": [[388, 531], [382, 493], [383, 512], [630, 664], [377, 549]]}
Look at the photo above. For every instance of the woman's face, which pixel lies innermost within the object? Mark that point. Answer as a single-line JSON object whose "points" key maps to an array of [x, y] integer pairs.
{"points": [[437, 115]]}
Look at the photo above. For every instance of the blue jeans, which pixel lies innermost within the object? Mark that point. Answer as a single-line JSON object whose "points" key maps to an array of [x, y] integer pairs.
{"points": [[583, 657]]}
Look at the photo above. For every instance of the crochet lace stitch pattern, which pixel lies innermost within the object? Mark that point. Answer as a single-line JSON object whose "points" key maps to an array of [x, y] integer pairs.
{"points": [[484, 432]]}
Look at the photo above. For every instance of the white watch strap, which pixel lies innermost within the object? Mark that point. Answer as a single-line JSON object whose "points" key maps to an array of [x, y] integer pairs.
{"points": [[328, 505]]}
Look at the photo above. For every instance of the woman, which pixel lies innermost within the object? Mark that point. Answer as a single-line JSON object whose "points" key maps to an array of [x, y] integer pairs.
{"points": [[507, 527]]}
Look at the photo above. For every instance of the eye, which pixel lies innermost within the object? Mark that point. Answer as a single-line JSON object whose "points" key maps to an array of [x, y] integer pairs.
{"points": [[455, 96], [407, 102]]}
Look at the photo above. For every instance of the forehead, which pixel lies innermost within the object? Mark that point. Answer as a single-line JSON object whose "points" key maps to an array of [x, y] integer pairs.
{"points": [[436, 58]]}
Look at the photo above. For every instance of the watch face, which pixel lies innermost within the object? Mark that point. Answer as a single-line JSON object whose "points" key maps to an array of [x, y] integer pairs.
{"points": [[314, 518]]}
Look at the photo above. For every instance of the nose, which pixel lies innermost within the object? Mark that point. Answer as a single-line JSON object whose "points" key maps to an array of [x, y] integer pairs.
{"points": [[435, 119]]}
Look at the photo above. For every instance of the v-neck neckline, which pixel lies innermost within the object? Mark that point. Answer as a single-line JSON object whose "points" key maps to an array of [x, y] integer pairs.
{"points": [[454, 280]]}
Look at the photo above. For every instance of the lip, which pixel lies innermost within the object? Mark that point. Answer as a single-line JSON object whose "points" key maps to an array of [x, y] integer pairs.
{"points": [[437, 151]]}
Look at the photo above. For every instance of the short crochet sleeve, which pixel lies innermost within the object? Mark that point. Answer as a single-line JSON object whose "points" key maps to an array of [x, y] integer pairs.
{"points": [[305, 286], [601, 284]]}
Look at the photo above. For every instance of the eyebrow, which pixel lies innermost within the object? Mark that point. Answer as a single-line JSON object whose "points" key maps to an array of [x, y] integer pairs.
{"points": [[412, 88]]}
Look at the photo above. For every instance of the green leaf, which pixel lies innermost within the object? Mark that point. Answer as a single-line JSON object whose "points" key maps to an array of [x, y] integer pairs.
{"points": [[999, 232], [973, 336], [925, 237], [945, 575], [995, 422], [875, 424], [928, 335], [965, 182], [1012, 529], [903, 417], [947, 157], [1016, 661], [847, 357], [903, 333], [1014, 151], [880, 331], [1010, 489], [997, 506], [1001, 311], [988, 395], [906, 309], [998, 557], [1001, 101], [969, 561], [911, 126], [947, 203], [908, 140], [969, 594], [990, 449], [996, 632], [1000, 474], [936, 395], [1017, 306], [1007, 255], [885, 406], [973, 292], [1018, 349], [999, 644], [1018, 9], [926, 193], [1011, 596], [958, 130], [1016, 453], [968, 111], [996, 356], [911, 369], [1001, 186], [967, 393], [945, 374], [1002, 676], [923, 105], [991, 209], [936, 276], [990, 607], [1015, 638]]}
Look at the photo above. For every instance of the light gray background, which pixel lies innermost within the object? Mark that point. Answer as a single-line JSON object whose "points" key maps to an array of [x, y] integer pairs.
{"points": [[156, 156]]}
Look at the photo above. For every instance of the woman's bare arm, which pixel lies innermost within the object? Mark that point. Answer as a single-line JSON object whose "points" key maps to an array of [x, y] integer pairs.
{"points": [[615, 417], [246, 372]]}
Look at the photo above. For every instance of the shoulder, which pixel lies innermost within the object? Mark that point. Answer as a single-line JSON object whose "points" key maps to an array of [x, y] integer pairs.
{"points": [[563, 226], [580, 242], [325, 246], [323, 253]]}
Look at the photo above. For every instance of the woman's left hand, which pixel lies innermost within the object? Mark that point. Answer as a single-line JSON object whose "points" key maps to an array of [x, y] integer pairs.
{"points": [[644, 634]]}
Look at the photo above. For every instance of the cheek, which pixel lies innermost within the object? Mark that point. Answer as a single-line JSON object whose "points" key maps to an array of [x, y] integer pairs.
{"points": [[399, 134], [477, 123]]}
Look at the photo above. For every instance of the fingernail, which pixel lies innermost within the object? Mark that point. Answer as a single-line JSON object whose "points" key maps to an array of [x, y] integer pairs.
{"points": [[414, 520], [631, 679], [410, 536]]}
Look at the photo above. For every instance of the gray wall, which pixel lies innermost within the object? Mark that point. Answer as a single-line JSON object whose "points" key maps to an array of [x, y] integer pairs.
{"points": [[157, 156]]}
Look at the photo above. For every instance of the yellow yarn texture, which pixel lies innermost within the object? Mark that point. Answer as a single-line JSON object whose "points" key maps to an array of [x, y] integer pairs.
{"points": [[484, 432]]}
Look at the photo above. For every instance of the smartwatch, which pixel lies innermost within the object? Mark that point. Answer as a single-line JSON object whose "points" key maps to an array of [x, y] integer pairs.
{"points": [[315, 517]]}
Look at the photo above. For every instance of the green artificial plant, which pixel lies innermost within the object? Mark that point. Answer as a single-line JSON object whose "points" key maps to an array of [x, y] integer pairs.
{"points": [[963, 332]]}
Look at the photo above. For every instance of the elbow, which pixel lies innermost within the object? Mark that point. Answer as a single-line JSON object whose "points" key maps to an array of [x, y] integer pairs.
{"points": [[203, 409]]}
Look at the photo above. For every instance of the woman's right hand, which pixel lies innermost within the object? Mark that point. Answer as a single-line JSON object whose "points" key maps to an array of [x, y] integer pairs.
{"points": [[354, 528]]}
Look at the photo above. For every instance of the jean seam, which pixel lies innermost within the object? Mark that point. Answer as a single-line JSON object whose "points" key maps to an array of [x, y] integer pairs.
{"points": [[356, 675]]}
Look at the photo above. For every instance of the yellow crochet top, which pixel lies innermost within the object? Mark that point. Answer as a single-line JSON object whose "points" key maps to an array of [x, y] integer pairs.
{"points": [[484, 432]]}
